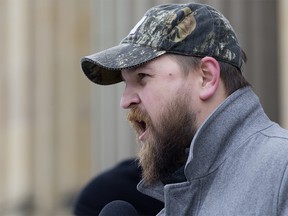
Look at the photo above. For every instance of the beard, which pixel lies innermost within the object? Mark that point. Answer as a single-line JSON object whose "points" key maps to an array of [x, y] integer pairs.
{"points": [[164, 150]]}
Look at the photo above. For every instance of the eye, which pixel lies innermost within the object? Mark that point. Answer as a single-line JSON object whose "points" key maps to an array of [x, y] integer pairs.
{"points": [[141, 76]]}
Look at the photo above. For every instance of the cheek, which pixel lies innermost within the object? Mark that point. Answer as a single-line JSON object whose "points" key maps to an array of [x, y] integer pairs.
{"points": [[152, 104], [158, 96], [155, 104]]}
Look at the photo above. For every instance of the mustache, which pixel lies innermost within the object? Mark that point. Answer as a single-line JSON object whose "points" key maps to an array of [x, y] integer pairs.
{"points": [[139, 119], [137, 115]]}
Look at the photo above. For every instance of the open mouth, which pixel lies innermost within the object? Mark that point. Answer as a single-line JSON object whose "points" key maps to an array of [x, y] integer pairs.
{"points": [[141, 129], [139, 121], [141, 125]]}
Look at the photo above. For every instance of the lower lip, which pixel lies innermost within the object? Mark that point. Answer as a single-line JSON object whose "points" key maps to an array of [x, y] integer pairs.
{"points": [[143, 136]]}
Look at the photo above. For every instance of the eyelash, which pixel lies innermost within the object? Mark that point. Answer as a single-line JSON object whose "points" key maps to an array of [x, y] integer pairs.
{"points": [[141, 75]]}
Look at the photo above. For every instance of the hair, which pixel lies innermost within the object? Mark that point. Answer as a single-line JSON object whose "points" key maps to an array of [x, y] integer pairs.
{"points": [[232, 76]]}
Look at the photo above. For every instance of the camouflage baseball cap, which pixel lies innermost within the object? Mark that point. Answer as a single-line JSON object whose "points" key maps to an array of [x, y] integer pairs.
{"points": [[186, 29]]}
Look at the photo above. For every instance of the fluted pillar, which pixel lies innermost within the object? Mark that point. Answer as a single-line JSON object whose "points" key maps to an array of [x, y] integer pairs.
{"points": [[45, 106], [283, 63]]}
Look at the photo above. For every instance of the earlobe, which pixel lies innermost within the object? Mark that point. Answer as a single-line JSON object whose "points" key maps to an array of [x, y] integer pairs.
{"points": [[210, 77]]}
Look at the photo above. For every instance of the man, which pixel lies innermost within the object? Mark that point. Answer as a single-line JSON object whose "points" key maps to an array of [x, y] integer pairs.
{"points": [[208, 148]]}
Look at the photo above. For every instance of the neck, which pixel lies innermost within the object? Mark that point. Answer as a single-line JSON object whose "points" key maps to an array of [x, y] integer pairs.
{"points": [[208, 106]]}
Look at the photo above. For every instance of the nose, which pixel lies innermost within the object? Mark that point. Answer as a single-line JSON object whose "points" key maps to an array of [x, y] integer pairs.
{"points": [[129, 98]]}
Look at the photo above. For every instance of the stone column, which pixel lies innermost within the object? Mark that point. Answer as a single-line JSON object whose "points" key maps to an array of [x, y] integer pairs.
{"points": [[283, 55]]}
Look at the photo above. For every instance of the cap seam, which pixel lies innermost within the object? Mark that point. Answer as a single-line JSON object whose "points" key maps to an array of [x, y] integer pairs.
{"points": [[214, 28], [119, 69]]}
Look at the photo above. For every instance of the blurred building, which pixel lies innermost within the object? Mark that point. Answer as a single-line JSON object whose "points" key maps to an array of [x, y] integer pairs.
{"points": [[57, 129]]}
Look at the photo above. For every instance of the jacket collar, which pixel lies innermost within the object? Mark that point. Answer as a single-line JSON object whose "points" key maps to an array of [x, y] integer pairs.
{"points": [[228, 127]]}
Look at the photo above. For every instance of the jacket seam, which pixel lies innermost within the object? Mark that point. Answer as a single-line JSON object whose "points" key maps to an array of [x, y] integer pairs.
{"points": [[200, 196]]}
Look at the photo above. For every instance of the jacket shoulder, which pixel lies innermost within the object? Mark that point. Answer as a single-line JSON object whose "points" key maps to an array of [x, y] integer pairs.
{"points": [[276, 136], [275, 131]]}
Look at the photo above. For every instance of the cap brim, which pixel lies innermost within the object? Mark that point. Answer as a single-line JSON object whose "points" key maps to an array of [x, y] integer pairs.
{"points": [[105, 67]]}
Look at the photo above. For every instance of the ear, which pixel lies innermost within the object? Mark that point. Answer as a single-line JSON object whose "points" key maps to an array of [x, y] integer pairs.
{"points": [[210, 71]]}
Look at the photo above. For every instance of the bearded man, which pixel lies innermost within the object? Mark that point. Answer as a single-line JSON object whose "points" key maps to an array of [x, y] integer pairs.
{"points": [[207, 147]]}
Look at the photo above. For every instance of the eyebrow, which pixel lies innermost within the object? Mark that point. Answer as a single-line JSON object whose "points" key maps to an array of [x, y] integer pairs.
{"points": [[134, 69]]}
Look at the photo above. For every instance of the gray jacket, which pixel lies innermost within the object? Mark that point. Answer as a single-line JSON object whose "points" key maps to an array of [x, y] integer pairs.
{"points": [[237, 165]]}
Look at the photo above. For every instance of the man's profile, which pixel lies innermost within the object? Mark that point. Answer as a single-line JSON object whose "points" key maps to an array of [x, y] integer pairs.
{"points": [[207, 146]]}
